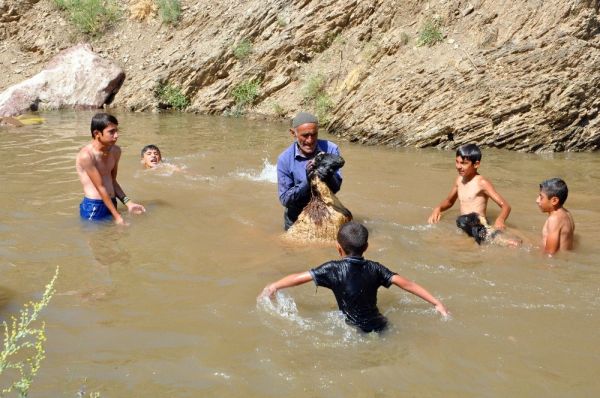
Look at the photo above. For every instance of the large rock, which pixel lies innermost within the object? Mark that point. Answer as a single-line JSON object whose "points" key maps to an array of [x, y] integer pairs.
{"points": [[75, 78]]}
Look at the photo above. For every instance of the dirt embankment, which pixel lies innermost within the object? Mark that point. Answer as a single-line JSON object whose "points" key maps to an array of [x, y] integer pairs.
{"points": [[520, 75]]}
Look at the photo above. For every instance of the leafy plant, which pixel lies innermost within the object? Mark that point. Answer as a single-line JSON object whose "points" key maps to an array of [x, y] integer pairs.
{"points": [[430, 33], [90, 16], [170, 11], [22, 339], [315, 94], [244, 94], [171, 97], [243, 49]]}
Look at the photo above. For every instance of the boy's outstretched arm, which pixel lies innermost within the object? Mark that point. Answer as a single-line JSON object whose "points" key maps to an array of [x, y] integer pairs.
{"points": [[505, 208], [445, 205], [288, 281], [419, 291]]}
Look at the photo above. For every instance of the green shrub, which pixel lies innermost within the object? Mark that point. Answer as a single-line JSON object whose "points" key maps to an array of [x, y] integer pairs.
{"points": [[315, 95], [23, 349], [172, 97], [170, 11], [91, 17], [430, 33], [243, 49], [245, 94]]}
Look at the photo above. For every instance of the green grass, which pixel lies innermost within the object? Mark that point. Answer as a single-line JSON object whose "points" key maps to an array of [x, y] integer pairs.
{"points": [[430, 33], [169, 11], [172, 97], [91, 17], [243, 49]]}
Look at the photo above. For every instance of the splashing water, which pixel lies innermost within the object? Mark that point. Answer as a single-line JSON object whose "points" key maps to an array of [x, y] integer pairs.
{"points": [[267, 174]]}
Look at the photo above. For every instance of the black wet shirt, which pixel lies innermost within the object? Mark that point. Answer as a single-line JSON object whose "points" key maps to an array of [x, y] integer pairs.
{"points": [[354, 282]]}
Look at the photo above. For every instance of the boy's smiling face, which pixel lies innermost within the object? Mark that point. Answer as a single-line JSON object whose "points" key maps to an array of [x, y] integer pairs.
{"points": [[466, 168]]}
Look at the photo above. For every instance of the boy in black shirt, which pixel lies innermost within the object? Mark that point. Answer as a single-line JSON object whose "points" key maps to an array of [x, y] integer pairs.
{"points": [[354, 281]]}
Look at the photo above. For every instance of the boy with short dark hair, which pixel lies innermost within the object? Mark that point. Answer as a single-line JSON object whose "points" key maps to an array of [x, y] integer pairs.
{"points": [[558, 231], [151, 156], [355, 280], [472, 189]]}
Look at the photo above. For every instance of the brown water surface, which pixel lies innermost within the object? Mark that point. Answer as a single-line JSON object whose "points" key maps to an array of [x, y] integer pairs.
{"points": [[167, 306]]}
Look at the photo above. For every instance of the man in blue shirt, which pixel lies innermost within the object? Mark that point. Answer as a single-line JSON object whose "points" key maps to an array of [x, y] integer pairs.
{"points": [[292, 165]]}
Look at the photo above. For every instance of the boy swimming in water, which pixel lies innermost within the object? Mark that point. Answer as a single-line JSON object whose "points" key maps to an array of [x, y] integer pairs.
{"points": [[151, 156], [558, 231], [471, 189], [355, 280]]}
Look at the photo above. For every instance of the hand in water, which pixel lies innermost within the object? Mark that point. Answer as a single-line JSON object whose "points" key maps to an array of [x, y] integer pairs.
{"points": [[442, 310], [268, 291], [135, 208]]}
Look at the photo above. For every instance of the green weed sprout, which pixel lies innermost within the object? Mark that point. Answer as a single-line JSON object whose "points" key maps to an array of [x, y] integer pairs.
{"points": [[172, 97], [243, 49], [170, 11], [315, 94], [245, 94], [22, 339], [90, 16], [430, 33]]}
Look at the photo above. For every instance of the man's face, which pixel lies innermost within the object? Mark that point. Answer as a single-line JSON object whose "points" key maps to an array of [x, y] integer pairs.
{"points": [[109, 135], [306, 137], [151, 158], [465, 167]]}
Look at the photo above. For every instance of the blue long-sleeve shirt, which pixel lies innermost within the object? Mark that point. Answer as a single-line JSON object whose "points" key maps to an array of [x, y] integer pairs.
{"points": [[293, 186]]}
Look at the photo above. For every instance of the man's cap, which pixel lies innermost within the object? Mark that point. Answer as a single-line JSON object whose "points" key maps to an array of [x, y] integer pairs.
{"points": [[303, 118]]}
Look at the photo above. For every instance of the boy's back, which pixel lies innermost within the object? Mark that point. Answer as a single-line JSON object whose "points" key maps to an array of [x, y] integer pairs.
{"points": [[354, 282]]}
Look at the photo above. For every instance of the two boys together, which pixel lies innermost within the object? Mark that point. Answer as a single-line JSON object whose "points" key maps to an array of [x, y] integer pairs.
{"points": [[473, 191]]}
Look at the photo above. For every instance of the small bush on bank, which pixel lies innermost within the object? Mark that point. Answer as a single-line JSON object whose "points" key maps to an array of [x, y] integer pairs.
{"points": [[91, 17], [430, 33], [242, 50], [170, 96], [244, 94], [170, 11]]}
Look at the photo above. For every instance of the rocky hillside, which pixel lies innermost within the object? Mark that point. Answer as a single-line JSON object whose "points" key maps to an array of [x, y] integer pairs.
{"points": [[522, 75]]}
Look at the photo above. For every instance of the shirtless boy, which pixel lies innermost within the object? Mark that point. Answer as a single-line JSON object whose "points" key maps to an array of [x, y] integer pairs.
{"points": [[97, 164], [557, 233], [471, 189]]}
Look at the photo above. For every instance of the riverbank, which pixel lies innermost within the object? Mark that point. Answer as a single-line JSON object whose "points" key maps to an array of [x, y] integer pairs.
{"points": [[520, 75]]}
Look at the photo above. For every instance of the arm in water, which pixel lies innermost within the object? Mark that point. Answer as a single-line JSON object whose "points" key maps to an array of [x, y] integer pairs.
{"points": [[288, 281], [419, 291]]}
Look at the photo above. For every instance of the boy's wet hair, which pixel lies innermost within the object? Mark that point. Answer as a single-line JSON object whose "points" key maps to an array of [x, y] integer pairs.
{"points": [[555, 187], [469, 152], [150, 147], [100, 121], [353, 237]]}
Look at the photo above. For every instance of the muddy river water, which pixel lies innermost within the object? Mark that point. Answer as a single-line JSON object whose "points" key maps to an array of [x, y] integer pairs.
{"points": [[167, 306]]}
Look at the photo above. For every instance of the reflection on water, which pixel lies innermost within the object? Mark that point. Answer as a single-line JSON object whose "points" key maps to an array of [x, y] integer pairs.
{"points": [[167, 306]]}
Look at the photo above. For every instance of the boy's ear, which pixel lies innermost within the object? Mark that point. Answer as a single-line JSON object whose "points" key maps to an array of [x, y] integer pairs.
{"points": [[476, 163], [554, 201]]}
